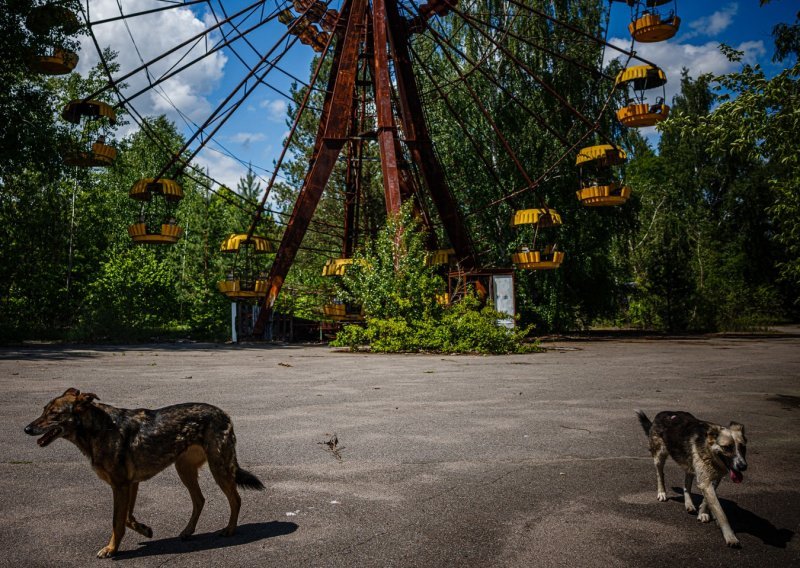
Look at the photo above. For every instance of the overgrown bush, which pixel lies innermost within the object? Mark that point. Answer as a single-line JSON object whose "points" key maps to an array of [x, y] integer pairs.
{"points": [[397, 289]]}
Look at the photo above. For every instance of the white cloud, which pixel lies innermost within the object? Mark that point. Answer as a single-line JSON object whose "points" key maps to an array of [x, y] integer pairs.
{"points": [[716, 23], [222, 168], [276, 109], [155, 34], [672, 57]]}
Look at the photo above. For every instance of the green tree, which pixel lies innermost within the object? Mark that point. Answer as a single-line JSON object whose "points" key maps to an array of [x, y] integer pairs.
{"points": [[398, 291], [753, 134]]}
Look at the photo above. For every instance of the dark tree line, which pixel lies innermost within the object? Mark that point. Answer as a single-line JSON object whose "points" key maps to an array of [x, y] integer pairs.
{"points": [[710, 239]]}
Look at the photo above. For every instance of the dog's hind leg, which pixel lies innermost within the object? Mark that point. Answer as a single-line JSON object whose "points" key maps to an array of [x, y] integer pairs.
{"points": [[225, 476], [659, 457], [687, 493], [121, 497], [187, 466], [131, 521]]}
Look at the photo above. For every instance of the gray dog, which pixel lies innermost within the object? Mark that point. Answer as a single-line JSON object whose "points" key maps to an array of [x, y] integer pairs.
{"points": [[704, 450]]}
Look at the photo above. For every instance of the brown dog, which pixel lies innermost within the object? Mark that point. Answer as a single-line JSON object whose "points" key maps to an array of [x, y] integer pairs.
{"points": [[706, 451], [126, 447]]}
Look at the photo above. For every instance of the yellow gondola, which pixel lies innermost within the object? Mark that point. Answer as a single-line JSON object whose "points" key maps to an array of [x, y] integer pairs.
{"points": [[531, 257], [48, 17], [540, 217], [237, 289], [604, 195], [83, 153], [545, 259], [652, 22], [638, 112], [337, 310], [599, 187], [76, 110], [440, 257], [342, 312], [652, 28], [167, 232], [245, 280], [236, 242], [603, 155], [54, 62], [336, 266], [99, 155]]}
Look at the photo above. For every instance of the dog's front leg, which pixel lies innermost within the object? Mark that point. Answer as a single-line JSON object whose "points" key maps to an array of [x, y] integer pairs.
{"points": [[122, 495], [702, 514], [716, 509]]}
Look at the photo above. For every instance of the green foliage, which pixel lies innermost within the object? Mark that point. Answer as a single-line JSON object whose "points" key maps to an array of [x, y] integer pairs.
{"points": [[390, 277], [67, 265], [483, 173], [464, 327], [397, 289], [709, 240], [133, 290], [714, 245]]}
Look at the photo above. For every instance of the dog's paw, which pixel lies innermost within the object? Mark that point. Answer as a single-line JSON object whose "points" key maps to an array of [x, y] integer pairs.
{"points": [[143, 530], [186, 533], [690, 508], [105, 552], [733, 542], [704, 517], [662, 496], [228, 531]]}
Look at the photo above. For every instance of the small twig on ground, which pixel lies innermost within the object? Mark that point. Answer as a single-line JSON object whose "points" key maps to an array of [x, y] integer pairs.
{"points": [[332, 446], [571, 428]]}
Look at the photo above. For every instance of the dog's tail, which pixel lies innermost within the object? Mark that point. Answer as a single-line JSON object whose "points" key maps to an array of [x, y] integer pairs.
{"points": [[247, 480], [644, 421]]}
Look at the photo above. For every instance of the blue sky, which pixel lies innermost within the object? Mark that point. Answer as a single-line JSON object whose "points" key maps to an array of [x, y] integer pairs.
{"points": [[255, 133]]}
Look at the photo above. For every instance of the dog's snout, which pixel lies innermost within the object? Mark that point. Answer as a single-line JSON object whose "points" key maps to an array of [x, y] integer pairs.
{"points": [[739, 464], [29, 430]]}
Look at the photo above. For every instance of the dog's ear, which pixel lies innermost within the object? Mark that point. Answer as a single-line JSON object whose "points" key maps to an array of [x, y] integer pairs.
{"points": [[71, 391], [83, 400], [737, 426]]}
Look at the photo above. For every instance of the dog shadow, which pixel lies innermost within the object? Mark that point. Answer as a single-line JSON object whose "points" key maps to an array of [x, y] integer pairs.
{"points": [[245, 534], [745, 521]]}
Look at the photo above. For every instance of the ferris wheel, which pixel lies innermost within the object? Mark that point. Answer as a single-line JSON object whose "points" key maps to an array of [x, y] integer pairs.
{"points": [[386, 69]]}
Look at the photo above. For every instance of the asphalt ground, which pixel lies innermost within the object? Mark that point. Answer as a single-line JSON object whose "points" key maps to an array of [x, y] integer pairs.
{"points": [[526, 460]]}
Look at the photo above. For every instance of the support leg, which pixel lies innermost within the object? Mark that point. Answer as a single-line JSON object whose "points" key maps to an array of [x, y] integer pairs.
{"points": [[187, 466], [121, 498]]}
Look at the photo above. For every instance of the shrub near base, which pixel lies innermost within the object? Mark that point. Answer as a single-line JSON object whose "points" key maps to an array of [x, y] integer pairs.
{"points": [[463, 328]]}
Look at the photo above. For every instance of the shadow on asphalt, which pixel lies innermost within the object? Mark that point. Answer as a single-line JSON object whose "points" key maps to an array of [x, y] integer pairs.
{"points": [[744, 521], [65, 351], [245, 534]]}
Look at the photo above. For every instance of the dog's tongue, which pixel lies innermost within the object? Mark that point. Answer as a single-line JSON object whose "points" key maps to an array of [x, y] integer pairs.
{"points": [[736, 476]]}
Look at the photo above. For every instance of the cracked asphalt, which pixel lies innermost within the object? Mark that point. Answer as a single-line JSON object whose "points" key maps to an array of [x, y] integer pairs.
{"points": [[524, 460]]}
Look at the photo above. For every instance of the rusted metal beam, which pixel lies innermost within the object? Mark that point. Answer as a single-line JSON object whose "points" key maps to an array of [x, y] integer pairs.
{"points": [[331, 137], [419, 142], [387, 130]]}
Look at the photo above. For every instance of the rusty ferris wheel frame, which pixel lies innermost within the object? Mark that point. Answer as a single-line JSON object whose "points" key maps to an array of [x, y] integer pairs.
{"points": [[371, 48]]}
